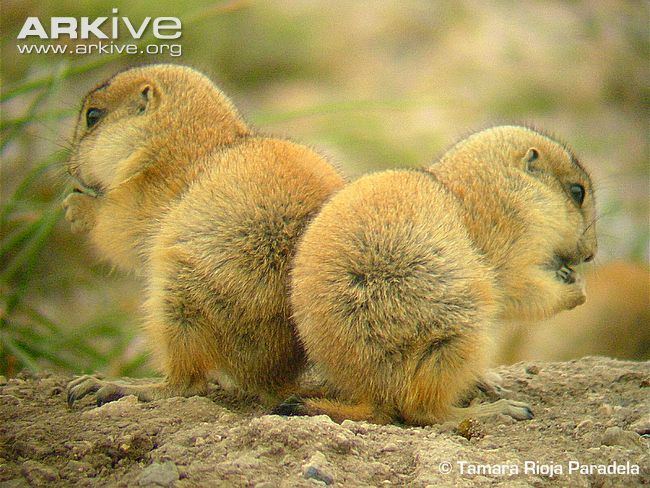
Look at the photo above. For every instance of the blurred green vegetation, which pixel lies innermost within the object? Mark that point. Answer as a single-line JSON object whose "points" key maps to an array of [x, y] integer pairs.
{"points": [[373, 88]]}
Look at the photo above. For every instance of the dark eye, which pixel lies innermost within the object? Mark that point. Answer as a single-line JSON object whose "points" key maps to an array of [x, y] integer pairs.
{"points": [[93, 115], [577, 193]]}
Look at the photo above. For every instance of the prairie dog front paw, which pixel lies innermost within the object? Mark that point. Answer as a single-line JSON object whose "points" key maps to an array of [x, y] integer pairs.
{"points": [[80, 211], [576, 294]]}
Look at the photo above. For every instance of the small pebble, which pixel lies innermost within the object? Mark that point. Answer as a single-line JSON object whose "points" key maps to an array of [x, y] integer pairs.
{"points": [[125, 406], [471, 428], [390, 447], [316, 468], [532, 369]]}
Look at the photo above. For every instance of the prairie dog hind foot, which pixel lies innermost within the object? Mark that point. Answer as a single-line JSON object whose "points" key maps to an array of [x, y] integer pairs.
{"points": [[339, 411], [109, 391]]}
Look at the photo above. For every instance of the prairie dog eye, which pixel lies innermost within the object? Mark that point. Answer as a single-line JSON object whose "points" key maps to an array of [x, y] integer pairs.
{"points": [[93, 115], [577, 193]]}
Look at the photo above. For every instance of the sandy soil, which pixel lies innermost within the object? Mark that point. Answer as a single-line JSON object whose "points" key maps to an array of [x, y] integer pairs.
{"points": [[594, 411]]}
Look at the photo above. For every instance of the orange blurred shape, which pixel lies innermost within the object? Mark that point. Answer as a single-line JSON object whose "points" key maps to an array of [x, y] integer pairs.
{"points": [[614, 322]]}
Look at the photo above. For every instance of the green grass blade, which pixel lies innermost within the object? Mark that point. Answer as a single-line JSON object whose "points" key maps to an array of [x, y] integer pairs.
{"points": [[54, 159], [20, 354], [134, 365], [45, 116], [50, 88], [33, 247], [37, 345], [16, 239], [63, 339]]}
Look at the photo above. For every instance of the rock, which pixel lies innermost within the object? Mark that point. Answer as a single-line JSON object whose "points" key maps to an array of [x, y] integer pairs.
{"points": [[615, 436], [159, 474], [470, 428], [131, 446], [323, 419], [39, 474], [126, 406], [532, 369], [343, 444], [356, 427], [642, 426], [316, 468], [3, 380]]}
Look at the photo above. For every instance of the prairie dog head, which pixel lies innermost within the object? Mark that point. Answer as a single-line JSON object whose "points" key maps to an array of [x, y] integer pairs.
{"points": [[531, 204], [142, 115]]}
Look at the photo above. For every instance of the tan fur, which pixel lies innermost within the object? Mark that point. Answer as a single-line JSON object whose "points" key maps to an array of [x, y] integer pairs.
{"points": [[209, 214], [399, 280]]}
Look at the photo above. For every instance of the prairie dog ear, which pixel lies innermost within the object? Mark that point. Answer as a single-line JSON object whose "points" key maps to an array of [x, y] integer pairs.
{"points": [[149, 97], [530, 159]]}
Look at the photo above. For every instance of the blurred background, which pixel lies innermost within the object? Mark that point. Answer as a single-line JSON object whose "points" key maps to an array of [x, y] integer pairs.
{"points": [[372, 85]]}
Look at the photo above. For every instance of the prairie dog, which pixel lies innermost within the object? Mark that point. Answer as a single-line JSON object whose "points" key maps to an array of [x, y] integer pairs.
{"points": [[398, 281], [174, 186]]}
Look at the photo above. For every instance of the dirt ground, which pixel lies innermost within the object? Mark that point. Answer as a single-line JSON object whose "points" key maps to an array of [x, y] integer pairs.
{"points": [[593, 411]]}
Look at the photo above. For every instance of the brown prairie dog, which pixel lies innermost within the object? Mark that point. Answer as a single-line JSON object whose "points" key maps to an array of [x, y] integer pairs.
{"points": [[399, 279], [174, 186]]}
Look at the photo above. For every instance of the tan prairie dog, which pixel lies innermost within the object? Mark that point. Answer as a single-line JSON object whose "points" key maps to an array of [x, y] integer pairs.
{"points": [[399, 279], [174, 186]]}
